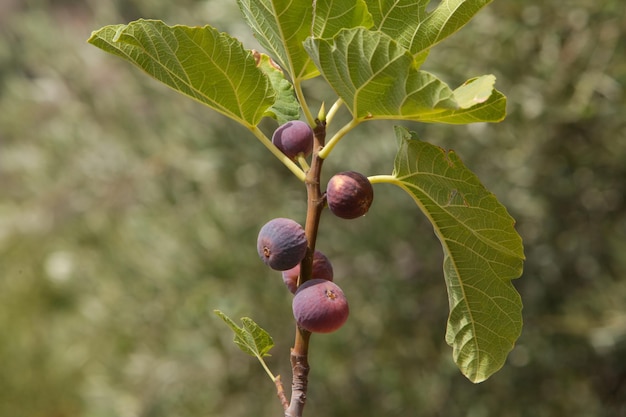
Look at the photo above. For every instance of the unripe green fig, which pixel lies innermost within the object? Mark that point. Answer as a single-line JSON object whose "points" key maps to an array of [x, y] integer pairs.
{"points": [[320, 306], [322, 269], [281, 243], [294, 138], [349, 194]]}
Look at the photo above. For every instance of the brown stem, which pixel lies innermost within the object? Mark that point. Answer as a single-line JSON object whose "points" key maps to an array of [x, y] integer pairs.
{"points": [[315, 202], [280, 392], [315, 205], [300, 369]]}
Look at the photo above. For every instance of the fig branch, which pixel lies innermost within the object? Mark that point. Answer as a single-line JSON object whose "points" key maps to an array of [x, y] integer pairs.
{"points": [[315, 205], [319, 305], [315, 200]]}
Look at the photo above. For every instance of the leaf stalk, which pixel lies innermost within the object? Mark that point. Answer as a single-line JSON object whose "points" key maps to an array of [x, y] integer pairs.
{"points": [[380, 179], [325, 151], [292, 166], [297, 84], [333, 110]]}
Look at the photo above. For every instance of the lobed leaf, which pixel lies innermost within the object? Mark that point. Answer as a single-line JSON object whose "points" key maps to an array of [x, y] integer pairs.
{"points": [[408, 22], [250, 338], [330, 16], [478, 101], [281, 26], [210, 67], [482, 253], [379, 79], [446, 19], [399, 19]]}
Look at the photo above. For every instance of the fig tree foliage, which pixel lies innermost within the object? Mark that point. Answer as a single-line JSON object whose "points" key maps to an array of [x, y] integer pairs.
{"points": [[370, 54]]}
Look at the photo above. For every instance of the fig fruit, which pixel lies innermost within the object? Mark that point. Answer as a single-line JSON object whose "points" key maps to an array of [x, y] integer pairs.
{"points": [[349, 194], [281, 243], [322, 269], [294, 138], [320, 306]]}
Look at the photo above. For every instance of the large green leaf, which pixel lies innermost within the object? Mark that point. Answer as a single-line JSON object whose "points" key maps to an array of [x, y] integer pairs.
{"points": [[446, 19], [482, 253], [210, 67], [281, 26], [398, 18], [378, 79], [330, 16], [411, 26], [478, 102]]}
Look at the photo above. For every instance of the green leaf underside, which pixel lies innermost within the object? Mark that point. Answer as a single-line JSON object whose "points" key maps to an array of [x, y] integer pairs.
{"points": [[378, 79], [330, 16], [482, 253], [399, 19], [281, 26], [286, 107], [413, 28], [210, 67], [446, 19], [250, 338]]}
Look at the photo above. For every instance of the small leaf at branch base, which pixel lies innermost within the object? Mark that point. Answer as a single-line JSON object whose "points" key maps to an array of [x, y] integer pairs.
{"points": [[482, 253], [286, 106], [250, 338]]}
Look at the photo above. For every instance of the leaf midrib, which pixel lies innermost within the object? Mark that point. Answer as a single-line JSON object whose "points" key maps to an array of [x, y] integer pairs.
{"points": [[198, 95], [447, 253], [489, 242]]}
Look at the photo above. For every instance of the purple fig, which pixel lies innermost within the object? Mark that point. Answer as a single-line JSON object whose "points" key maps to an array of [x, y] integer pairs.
{"points": [[320, 306], [349, 195], [281, 243], [293, 138], [322, 268]]}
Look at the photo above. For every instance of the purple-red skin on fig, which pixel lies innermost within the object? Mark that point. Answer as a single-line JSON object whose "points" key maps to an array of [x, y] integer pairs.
{"points": [[320, 306], [281, 243], [294, 138], [349, 194], [322, 269]]}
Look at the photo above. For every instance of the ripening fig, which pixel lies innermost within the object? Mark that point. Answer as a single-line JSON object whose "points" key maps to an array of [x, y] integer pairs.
{"points": [[349, 194], [320, 306], [293, 138], [322, 268], [281, 243]]}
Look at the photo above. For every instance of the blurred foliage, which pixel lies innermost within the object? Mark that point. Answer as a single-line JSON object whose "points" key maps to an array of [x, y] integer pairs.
{"points": [[128, 213]]}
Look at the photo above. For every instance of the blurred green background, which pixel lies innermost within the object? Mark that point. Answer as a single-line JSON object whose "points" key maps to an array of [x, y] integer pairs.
{"points": [[129, 212]]}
